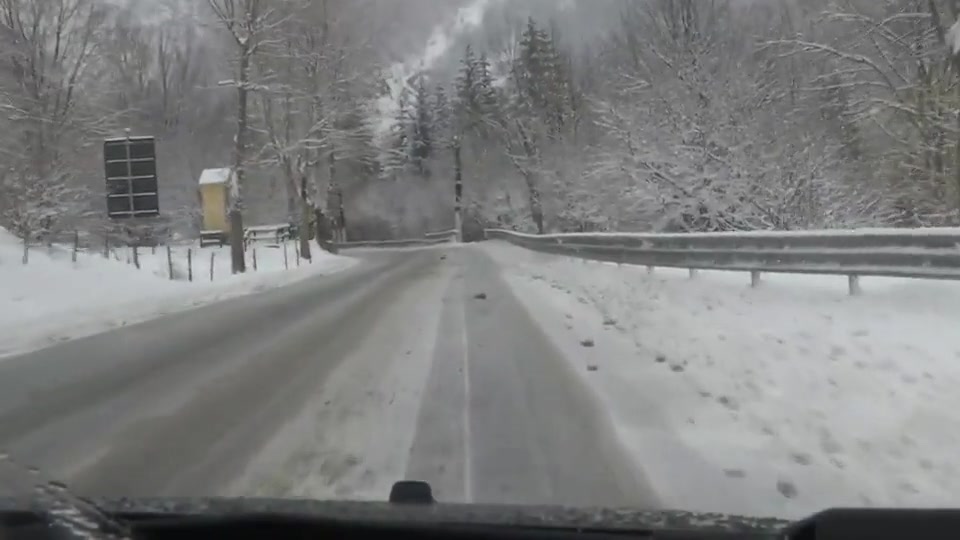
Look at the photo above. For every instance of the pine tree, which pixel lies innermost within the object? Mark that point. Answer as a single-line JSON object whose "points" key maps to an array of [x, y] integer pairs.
{"points": [[421, 142], [442, 126], [531, 71], [398, 148], [468, 101], [487, 99], [542, 79]]}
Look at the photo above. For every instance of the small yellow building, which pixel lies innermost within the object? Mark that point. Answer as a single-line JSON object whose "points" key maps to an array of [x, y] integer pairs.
{"points": [[215, 189]]}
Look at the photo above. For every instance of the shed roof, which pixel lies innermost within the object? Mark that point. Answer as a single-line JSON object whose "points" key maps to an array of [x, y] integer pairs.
{"points": [[215, 176]]}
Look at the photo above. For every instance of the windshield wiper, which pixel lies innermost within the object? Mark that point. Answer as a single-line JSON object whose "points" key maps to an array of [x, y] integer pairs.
{"points": [[74, 516]]}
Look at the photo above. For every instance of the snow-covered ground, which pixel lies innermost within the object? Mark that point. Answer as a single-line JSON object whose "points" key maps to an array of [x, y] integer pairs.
{"points": [[781, 400], [52, 299]]}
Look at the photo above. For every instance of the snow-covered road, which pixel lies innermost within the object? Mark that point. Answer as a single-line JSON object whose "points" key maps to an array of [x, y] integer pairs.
{"points": [[506, 376], [335, 386]]}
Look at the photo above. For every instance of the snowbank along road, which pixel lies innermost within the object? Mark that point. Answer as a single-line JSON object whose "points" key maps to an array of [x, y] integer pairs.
{"points": [[502, 375]]}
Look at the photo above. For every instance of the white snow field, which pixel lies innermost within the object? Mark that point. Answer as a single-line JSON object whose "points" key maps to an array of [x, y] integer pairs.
{"points": [[52, 299], [780, 400]]}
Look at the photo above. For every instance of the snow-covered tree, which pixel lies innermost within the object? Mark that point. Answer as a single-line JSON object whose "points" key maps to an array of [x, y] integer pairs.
{"points": [[46, 52]]}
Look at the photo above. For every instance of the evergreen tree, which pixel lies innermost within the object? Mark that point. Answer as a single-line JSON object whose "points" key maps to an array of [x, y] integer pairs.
{"points": [[421, 142], [488, 102], [397, 156], [468, 101], [542, 79], [478, 103], [442, 126]]}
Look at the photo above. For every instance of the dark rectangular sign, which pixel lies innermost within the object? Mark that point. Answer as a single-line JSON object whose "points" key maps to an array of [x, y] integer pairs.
{"points": [[130, 164]]}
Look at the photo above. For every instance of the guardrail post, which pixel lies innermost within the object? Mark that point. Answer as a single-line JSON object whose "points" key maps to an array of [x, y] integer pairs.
{"points": [[213, 255], [693, 273], [190, 264], [286, 261], [650, 269], [76, 245], [755, 279], [254, 259], [854, 283], [136, 257], [170, 261]]}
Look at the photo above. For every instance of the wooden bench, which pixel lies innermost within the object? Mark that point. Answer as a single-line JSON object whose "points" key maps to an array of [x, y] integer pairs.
{"points": [[269, 233], [210, 238]]}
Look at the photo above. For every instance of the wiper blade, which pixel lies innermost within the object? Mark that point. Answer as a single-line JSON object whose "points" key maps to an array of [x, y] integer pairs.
{"points": [[53, 501], [873, 524]]}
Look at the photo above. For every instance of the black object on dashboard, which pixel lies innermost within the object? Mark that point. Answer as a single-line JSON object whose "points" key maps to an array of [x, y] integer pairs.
{"points": [[411, 492]]}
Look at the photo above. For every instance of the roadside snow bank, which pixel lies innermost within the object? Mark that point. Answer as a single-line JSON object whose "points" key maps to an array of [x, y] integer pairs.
{"points": [[52, 299], [778, 401]]}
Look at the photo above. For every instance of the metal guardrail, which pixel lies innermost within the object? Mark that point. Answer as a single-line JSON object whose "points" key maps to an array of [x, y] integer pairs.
{"points": [[429, 239], [449, 235], [913, 253]]}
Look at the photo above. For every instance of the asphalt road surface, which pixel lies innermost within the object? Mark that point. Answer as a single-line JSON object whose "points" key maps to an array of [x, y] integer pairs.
{"points": [[186, 404]]}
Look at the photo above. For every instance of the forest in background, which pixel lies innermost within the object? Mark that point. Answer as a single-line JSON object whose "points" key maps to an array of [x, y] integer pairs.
{"points": [[590, 115]]}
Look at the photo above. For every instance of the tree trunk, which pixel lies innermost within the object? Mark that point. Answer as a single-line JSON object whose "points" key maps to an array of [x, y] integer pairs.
{"points": [[536, 208], [956, 169], [340, 223], [533, 157], [237, 261], [304, 219], [458, 190], [292, 192], [322, 225], [342, 214]]}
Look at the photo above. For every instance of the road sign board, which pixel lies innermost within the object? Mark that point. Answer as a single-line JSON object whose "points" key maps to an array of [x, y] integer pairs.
{"points": [[130, 164]]}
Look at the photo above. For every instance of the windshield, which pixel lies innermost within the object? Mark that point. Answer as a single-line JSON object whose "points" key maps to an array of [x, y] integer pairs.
{"points": [[687, 255]]}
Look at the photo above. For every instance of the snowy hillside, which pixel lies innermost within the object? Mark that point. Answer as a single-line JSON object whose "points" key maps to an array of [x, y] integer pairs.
{"points": [[52, 299]]}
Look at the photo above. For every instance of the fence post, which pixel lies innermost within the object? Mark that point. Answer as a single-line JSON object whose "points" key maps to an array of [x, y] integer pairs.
{"points": [[76, 245], [853, 281], [254, 259], [136, 257], [26, 250], [755, 279], [213, 254], [190, 264], [693, 273], [650, 269], [106, 246], [296, 249], [170, 261], [153, 250], [286, 263]]}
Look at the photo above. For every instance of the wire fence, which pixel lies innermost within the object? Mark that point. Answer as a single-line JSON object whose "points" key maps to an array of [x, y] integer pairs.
{"points": [[174, 261]]}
